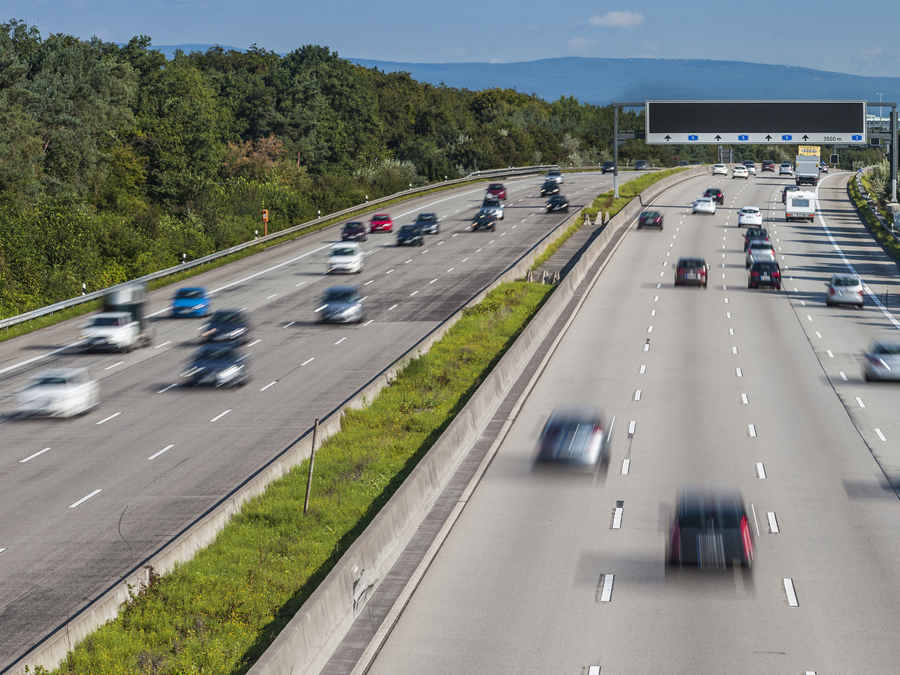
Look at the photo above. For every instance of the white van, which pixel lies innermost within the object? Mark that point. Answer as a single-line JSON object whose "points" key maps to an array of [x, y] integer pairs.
{"points": [[345, 256], [800, 206]]}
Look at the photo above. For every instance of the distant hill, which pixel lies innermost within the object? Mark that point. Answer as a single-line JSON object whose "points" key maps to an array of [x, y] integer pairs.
{"points": [[602, 81], [169, 50]]}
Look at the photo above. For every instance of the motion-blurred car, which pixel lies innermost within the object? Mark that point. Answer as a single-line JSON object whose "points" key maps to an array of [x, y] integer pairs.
{"points": [[381, 222], [717, 195], [61, 392], [608, 167], [751, 167], [754, 233], [554, 175], [691, 271], [410, 235], [341, 304], [845, 289], [882, 361], [429, 222], [786, 168], [354, 231], [768, 165], [494, 206], [704, 205], [641, 165], [788, 188], [192, 301], [345, 257], [710, 530], [496, 190], [749, 215], [227, 325], [575, 436], [484, 220], [759, 250], [823, 167], [217, 365], [719, 170], [557, 203], [549, 188], [764, 273], [739, 171], [110, 331], [650, 219]]}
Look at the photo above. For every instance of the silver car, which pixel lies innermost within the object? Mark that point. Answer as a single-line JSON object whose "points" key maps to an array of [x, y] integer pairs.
{"points": [[554, 176], [493, 206], [341, 304], [61, 392], [759, 251], [575, 437], [882, 361], [845, 289]]}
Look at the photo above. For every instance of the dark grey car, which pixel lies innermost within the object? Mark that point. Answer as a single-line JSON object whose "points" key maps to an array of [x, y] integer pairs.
{"points": [[218, 365], [429, 222], [227, 325], [710, 530], [410, 235], [341, 304]]}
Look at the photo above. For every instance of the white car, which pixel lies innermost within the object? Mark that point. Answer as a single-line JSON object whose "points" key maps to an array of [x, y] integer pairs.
{"points": [[740, 171], [749, 215], [345, 256], [760, 251], [110, 330], [845, 289], [720, 169], [704, 205], [62, 392], [554, 176], [786, 168]]}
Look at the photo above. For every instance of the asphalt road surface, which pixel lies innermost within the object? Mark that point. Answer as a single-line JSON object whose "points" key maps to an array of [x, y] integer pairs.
{"points": [[754, 389]]}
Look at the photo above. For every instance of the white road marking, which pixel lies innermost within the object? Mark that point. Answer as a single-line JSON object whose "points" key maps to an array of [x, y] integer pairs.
{"points": [[413, 293], [272, 296], [631, 427], [724, 287], [755, 521], [478, 251], [606, 594], [791, 594], [368, 322], [723, 276], [652, 312], [881, 435], [448, 271], [761, 470], [340, 341], [308, 361], [255, 342], [595, 670], [773, 522], [726, 301], [392, 307], [744, 399], [368, 282], [646, 347], [617, 518], [389, 271], [731, 331], [155, 455], [171, 386], [440, 242], [649, 329], [626, 465], [84, 499], [752, 429], [655, 298], [643, 369], [271, 384], [432, 281], [830, 355], [464, 259], [658, 285], [163, 344], [818, 335], [727, 315], [734, 350], [491, 241], [859, 401], [288, 325], [665, 263], [109, 418], [456, 235], [300, 284], [843, 377], [425, 251], [39, 452], [319, 309], [220, 416], [269, 269], [408, 261], [637, 395], [3, 549], [796, 291], [114, 365], [808, 317], [165, 309]]}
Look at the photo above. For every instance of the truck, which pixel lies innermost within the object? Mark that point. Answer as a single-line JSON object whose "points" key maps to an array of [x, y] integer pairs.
{"points": [[800, 205], [806, 170], [122, 325]]}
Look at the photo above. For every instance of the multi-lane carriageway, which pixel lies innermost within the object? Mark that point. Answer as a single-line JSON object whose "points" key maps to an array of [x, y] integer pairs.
{"points": [[757, 389], [85, 500]]}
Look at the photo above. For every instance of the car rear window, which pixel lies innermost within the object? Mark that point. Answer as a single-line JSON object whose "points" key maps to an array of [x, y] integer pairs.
{"points": [[343, 251], [227, 316], [690, 263], [190, 293], [845, 281], [766, 267], [893, 349]]}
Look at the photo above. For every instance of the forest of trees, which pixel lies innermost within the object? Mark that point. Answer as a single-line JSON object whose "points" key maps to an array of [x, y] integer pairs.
{"points": [[115, 161]]}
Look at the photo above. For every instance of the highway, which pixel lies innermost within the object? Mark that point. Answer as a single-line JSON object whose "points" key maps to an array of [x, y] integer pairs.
{"points": [[754, 389], [86, 500]]}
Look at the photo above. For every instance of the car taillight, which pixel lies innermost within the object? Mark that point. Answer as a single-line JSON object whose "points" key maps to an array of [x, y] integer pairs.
{"points": [[746, 538], [776, 275], [830, 291], [676, 541], [754, 274]]}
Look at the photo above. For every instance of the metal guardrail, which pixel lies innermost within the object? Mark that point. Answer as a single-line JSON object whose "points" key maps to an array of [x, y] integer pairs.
{"points": [[97, 295], [871, 204]]}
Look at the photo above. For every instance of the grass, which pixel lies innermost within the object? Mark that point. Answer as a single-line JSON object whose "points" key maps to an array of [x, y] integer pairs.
{"points": [[605, 203], [218, 612], [872, 223]]}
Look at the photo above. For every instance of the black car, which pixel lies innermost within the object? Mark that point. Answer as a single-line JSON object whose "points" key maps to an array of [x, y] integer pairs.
{"points": [[752, 233], [717, 195], [354, 231], [429, 222], [558, 203], [484, 220], [710, 530], [650, 219], [608, 167], [549, 188], [768, 165], [227, 325], [788, 188], [217, 365], [410, 235], [641, 165], [764, 273]]}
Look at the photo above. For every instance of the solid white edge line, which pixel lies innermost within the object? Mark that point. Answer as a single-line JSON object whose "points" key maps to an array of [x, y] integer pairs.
{"points": [[606, 594], [168, 447], [791, 594], [84, 499], [220, 416], [271, 384], [626, 465], [617, 518], [39, 452], [761, 470], [773, 523], [109, 418]]}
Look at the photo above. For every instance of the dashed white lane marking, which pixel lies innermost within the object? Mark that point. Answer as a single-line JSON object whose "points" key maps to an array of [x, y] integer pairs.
{"points": [[731, 331], [744, 399], [724, 288], [773, 522], [389, 271], [881, 435], [114, 365], [440, 242], [220, 416], [626, 465], [300, 284], [617, 517], [791, 594], [39, 452], [274, 295], [464, 259], [606, 593], [478, 251], [455, 235], [843, 377], [751, 428], [796, 291], [368, 322], [665, 263], [408, 261], [271, 384], [163, 344], [425, 251], [727, 315], [723, 276], [340, 341], [726, 301], [491, 241], [655, 298], [308, 361], [392, 307], [637, 395], [632, 425], [109, 418], [646, 347], [818, 335], [808, 317], [649, 329], [165, 389], [734, 350], [289, 324], [448, 271], [662, 274], [760, 470], [413, 293], [84, 499], [658, 285], [859, 401], [319, 309], [652, 312], [269, 269], [368, 282], [830, 355], [432, 281], [738, 372], [165, 449]]}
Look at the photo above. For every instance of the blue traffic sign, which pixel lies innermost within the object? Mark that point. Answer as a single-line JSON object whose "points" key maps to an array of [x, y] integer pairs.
{"points": [[692, 137], [857, 137], [786, 137], [743, 137]]}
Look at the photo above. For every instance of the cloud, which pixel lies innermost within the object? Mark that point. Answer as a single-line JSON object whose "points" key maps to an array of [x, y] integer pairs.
{"points": [[617, 20], [582, 45]]}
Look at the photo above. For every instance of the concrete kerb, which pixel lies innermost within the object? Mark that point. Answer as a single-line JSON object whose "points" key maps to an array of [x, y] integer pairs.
{"points": [[310, 638]]}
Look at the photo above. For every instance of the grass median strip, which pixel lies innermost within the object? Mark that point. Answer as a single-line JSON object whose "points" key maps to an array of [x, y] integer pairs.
{"points": [[218, 612], [872, 223]]}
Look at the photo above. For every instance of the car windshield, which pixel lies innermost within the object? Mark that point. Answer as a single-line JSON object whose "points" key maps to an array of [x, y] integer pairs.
{"points": [[47, 381], [340, 252], [704, 199], [341, 295], [495, 186], [892, 349], [557, 199], [189, 293], [691, 263], [353, 226], [749, 212], [107, 321], [845, 281], [760, 244], [717, 513], [427, 216], [381, 216], [765, 267], [409, 229], [217, 352], [650, 214], [227, 316]]}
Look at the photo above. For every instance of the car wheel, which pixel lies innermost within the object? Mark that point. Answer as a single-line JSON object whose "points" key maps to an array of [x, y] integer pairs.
{"points": [[778, 287], [639, 226], [868, 377], [749, 285], [828, 303]]}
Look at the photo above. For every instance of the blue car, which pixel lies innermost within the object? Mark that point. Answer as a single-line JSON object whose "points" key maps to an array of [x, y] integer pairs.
{"points": [[190, 302]]}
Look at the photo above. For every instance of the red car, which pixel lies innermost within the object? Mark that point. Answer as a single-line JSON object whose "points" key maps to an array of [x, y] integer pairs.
{"points": [[691, 271], [496, 190], [381, 222]]}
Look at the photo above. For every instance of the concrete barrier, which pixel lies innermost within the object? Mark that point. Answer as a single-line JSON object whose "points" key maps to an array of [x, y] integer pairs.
{"points": [[310, 638]]}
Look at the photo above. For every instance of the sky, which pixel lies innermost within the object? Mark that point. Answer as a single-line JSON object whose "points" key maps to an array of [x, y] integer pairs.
{"points": [[827, 35]]}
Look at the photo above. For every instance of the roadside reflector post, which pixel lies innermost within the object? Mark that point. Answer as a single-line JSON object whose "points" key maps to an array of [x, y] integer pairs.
{"points": [[312, 460]]}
